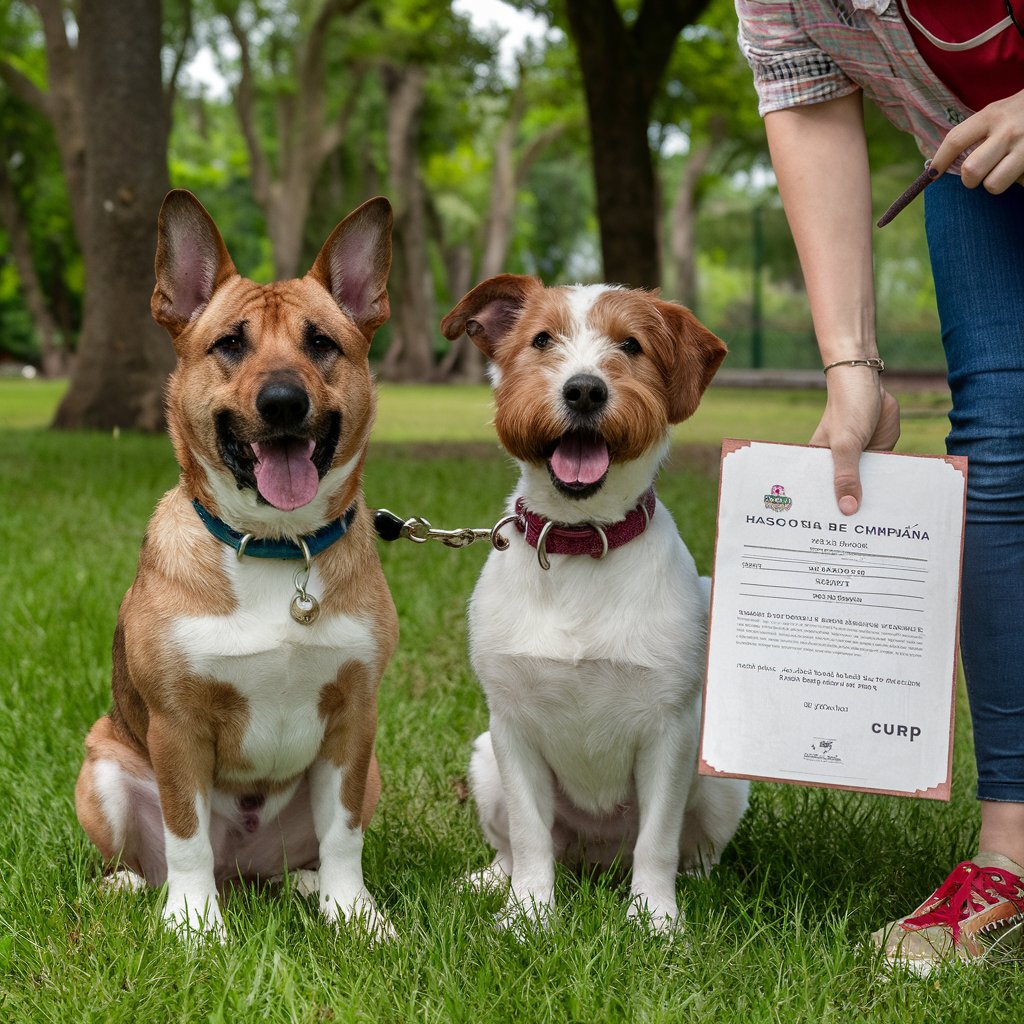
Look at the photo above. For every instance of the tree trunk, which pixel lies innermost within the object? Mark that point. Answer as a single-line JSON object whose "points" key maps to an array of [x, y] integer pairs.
{"points": [[498, 222], [53, 347], [463, 361], [60, 103], [305, 136], [64, 108], [123, 357], [622, 70], [682, 223], [410, 355]]}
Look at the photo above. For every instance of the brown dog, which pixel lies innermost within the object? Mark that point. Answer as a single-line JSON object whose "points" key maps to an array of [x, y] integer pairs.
{"points": [[249, 648]]}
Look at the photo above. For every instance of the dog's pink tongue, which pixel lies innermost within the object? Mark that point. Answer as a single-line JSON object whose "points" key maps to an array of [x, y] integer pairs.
{"points": [[285, 474], [580, 459]]}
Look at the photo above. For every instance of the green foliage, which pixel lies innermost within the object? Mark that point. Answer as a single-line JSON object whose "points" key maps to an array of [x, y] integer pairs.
{"points": [[29, 155], [207, 156], [708, 92], [707, 97]]}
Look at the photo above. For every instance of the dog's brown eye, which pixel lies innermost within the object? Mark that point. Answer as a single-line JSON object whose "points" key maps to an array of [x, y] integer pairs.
{"points": [[320, 346], [541, 340], [630, 346], [230, 345], [321, 343]]}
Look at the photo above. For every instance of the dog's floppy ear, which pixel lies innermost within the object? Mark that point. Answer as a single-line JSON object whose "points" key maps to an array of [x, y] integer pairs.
{"points": [[354, 263], [488, 312], [191, 261], [694, 356]]}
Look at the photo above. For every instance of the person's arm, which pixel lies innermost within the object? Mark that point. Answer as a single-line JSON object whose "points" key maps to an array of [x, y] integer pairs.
{"points": [[997, 132], [820, 158]]}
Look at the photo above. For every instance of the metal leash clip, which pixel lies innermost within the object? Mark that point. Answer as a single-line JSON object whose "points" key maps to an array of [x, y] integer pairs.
{"points": [[417, 529]]}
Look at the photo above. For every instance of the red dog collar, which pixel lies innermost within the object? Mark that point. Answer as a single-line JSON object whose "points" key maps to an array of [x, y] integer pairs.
{"points": [[585, 539]]}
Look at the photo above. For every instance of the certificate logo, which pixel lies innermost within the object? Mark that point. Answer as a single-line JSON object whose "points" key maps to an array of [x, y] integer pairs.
{"points": [[823, 751], [777, 500]]}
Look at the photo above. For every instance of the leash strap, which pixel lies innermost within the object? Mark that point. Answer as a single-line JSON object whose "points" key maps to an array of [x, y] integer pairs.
{"points": [[548, 538]]}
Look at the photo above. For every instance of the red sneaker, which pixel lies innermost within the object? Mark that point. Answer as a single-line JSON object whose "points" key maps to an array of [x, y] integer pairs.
{"points": [[964, 920]]}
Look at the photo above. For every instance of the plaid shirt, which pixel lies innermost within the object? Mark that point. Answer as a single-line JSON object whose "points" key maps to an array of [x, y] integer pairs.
{"points": [[808, 51]]}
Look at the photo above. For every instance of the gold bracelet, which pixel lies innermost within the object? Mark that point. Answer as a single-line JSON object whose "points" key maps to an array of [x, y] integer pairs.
{"points": [[874, 363]]}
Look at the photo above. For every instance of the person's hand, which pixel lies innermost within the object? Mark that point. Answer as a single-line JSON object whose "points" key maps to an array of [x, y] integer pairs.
{"points": [[997, 132], [859, 415]]}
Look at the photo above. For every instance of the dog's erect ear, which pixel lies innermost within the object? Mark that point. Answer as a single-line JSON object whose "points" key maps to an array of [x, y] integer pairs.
{"points": [[354, 263], [191, 261], [488, 312], [695, 355]]}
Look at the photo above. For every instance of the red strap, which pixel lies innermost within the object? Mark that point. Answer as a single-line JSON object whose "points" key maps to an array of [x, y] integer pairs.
{"points": [[585, 539]]}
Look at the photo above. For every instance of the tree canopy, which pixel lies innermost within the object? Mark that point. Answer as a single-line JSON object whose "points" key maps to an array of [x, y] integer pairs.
{"points": [[619, 141]]}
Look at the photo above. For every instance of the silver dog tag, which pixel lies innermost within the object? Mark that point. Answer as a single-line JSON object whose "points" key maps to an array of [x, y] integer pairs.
{"points": [[305, 608]]}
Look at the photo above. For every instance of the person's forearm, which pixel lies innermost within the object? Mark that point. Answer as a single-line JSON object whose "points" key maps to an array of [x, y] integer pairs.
{"points": [[820, 158]]}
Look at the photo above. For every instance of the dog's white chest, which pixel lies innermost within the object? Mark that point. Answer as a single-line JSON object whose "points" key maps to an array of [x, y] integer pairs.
{"points": [[592, 659], [277, 665], [643, 605]]}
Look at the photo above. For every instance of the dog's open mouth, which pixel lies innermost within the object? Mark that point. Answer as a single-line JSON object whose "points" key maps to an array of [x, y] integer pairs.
{"points": [[579, 462], [284, 471]]}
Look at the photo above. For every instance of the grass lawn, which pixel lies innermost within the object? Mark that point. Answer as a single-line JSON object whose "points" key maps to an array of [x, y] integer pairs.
{"points": [[432, 414], [772, 935]]}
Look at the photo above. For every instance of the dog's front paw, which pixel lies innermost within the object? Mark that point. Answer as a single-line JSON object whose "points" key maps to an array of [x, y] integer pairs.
{"points": [[122, 880], [304, 882], [360, 912], [194, 916], [491, 879], [522, 916], [659, 915]]}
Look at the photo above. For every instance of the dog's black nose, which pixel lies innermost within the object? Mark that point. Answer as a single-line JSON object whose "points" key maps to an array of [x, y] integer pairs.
{"points": [[283, 404], [585, 393]]}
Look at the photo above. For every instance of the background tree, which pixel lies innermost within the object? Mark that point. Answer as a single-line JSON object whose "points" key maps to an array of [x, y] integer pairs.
{"points": [[489, 164], [428, 56], [623, 64], [494, 203], [50, 85], [123, 357], [40, 265], [104, 98], [282, 81], [705, 126]]}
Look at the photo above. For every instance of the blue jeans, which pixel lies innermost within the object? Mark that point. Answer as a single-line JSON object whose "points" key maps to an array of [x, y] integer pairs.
{"points": [[976, 243]]}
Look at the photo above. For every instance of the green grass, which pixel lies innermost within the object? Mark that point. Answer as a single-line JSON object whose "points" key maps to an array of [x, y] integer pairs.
{"points": [[28, 403], [773, 935], [452, 414]]}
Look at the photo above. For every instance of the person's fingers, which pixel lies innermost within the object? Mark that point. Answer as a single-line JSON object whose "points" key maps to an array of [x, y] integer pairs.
{"points": [[997, 163], [997, 132], [846, 474], [965, 134], [859, 415], [981, 162], [1005, 173]]}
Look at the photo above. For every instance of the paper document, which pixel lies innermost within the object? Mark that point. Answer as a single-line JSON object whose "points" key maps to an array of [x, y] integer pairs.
{"points": [[832, 648]]}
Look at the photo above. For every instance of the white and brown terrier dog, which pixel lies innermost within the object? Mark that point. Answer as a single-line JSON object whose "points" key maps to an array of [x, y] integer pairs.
{"points": [[592, 669], [249, 648]]}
